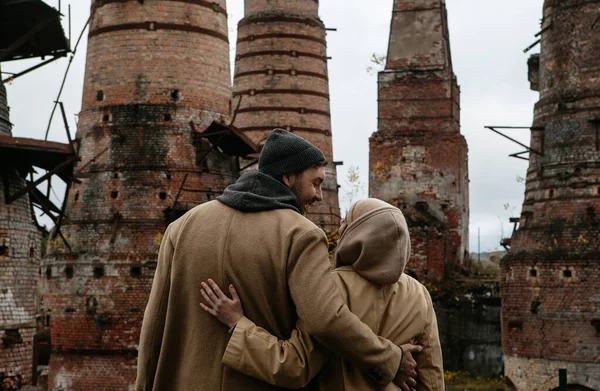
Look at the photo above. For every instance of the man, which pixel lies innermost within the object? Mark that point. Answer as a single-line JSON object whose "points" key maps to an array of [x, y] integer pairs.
{"points": [[254, 237]]}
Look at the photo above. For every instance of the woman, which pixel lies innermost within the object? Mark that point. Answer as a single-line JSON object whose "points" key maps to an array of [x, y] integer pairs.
{"points": [[373, 250]]}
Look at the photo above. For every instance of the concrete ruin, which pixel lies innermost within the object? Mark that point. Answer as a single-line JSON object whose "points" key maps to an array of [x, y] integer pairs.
{"points": [[418, 158], [550, 283], [281, 80], [153, 142]]}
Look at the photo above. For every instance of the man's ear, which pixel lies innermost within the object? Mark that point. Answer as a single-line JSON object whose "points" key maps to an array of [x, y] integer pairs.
{"points": [[288, 180]]}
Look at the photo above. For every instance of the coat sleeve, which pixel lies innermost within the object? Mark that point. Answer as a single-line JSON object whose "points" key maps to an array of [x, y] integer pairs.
{"points": [[292, 363], [154, 317], [327, 318], [429, 361]]}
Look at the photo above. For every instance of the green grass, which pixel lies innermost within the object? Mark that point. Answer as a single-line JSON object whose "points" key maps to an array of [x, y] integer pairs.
{"points": [[464, 381]]}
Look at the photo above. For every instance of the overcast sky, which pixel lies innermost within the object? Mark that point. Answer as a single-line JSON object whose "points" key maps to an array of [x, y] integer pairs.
{"points": [[487, 41]]}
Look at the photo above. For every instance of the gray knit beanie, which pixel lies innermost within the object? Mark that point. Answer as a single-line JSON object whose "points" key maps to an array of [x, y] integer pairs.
{"points": [[285, 153]]}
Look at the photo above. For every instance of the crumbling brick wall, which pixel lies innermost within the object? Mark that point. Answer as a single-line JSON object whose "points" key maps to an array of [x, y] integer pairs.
{"points": [[20, 241], [418, 158], [281, 78], [550, 278], [152, 68]]}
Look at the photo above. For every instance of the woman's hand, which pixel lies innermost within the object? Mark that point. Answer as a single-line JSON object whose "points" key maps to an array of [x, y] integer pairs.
{"points": [[227, 311]]}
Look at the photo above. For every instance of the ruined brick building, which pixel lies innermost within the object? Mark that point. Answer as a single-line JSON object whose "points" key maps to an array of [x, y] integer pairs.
{"points": [[418, 158], [19, 261], [551, 277], [157, 75], [28, 29], [281, 80]]}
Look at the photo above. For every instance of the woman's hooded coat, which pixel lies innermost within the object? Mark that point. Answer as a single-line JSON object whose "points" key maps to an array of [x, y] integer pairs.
{"points": [[373, 250]]}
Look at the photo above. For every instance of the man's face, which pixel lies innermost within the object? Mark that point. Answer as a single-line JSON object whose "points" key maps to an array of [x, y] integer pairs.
{"points": [[307, 186]]}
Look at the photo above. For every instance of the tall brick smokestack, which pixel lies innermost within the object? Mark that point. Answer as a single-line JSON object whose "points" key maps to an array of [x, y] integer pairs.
{"points": [[281, 78], [550, 282], [19, 262], [152, 67], [418, 158]]}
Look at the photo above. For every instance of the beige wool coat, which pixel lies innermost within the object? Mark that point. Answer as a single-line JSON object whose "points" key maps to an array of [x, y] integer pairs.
{"points": [[371, 257], [278, 262]]}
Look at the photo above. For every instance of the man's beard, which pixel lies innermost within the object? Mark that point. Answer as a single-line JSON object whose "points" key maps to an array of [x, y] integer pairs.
{"points": [[303, 205]]}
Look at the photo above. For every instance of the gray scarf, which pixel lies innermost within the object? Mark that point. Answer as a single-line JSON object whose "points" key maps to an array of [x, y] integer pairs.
{"points": [[257, 192]]}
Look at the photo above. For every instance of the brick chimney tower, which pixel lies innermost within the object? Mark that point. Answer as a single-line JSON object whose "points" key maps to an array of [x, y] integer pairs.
{"points": [[153, 67], [20, 240], [418, 158], [281, 78], [550, 282]]}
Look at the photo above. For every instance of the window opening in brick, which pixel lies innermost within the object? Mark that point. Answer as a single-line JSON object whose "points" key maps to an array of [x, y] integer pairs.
{"points": [[535, 306], [100, 96], [31, 252], [11, 337], [175, 95], [76, 196], [3, 250], [48, 272], [550, 193], [162, 195], [114, 194], [98, 271], [106, 117], [533, 272], [135, 271], [567, 273], [167, 117], [116, 175], [69, 271], [597, 190]]}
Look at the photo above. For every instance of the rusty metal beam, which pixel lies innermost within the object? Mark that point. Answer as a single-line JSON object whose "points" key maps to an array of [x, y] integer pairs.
{"points": [[292, 53], [492, 128], [251, 38], [272, 72], [33, 68], [42, 199], [153, 26], [253, 162], [31, 185], [253, 92], [315, 22], [64, 115], [299, 110], [93, 159], [528, 48], [518, 155], [61, 215], [180, 190], [54, 219]]}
